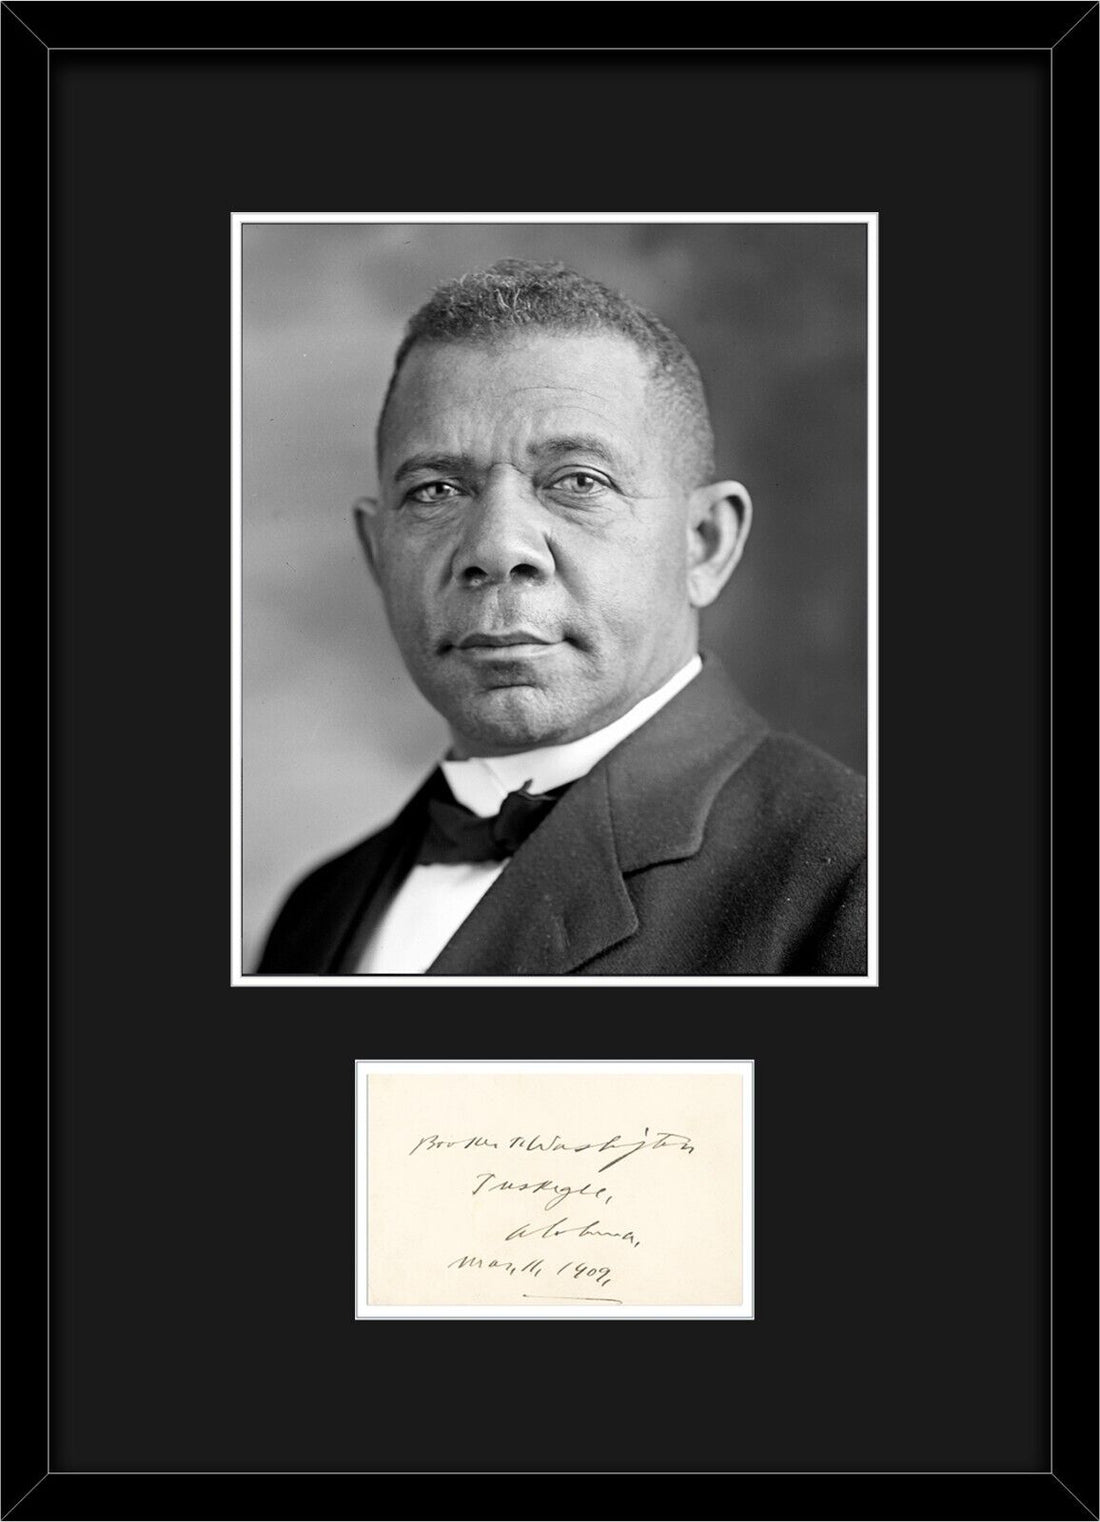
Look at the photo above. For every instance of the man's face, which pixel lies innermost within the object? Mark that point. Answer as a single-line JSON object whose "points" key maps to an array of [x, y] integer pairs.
{"points": [[531, 538]]}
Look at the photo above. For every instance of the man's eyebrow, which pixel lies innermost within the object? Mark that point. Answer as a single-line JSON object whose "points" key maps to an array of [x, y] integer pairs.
{"points": [[445, 464], [460, 464]]}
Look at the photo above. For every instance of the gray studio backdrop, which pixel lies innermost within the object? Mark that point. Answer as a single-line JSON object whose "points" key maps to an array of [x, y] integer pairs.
{"points": [[335, 736]]}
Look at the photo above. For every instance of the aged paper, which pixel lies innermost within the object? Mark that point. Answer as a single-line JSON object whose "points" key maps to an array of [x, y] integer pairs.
{"points": [[549, 1188]]}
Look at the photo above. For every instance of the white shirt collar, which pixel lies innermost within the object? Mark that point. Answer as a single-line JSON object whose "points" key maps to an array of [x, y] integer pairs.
{"points": [[483, 782]]}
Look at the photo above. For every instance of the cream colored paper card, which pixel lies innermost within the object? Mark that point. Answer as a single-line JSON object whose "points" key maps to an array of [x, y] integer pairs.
{"points": [[540, 1189]]}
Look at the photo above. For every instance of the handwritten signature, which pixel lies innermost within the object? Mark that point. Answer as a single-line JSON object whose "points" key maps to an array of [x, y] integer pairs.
{"points": [[538, 1143]]}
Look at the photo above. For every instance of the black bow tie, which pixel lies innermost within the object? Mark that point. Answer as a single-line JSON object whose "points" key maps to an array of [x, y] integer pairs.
{"points": [[457, 834]]}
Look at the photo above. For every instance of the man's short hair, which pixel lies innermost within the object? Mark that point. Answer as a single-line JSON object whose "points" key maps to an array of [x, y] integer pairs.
{"points": [[487, 305]]}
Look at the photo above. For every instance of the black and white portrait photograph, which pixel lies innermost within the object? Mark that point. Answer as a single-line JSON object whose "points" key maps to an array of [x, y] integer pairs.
{"points": [[554, 635]]}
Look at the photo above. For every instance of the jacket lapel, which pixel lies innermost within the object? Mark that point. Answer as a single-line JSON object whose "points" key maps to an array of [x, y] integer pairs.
{"points": [[562, 899], [360, 894], [663, 779]]}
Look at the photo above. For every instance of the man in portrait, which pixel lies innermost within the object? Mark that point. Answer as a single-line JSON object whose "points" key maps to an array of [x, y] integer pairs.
{"points": [[547, 530]]}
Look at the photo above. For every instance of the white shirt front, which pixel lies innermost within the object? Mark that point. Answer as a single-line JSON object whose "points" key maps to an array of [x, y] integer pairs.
{"points": [[434, 900]]}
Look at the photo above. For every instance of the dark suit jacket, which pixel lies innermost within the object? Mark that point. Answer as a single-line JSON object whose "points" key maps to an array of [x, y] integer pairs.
{"points": [[703, 844]]}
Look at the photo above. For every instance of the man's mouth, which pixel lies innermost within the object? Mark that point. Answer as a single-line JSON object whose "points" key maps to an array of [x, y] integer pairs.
{"points": [[506, 639]]}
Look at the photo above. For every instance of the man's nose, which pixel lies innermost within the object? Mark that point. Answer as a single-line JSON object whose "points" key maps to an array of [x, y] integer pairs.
{"points": [[503, 536]]}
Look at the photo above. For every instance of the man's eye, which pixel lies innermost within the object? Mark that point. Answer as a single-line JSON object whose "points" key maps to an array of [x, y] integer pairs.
{"points": [[432, 491], [581, 483]]}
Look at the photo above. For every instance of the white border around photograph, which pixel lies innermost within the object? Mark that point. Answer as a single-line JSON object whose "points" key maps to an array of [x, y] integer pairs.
{"points": [[238, 975]]}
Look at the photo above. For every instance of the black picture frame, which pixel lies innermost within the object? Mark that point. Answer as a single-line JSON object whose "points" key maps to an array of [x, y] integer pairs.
{"points": [[156, 1125]]}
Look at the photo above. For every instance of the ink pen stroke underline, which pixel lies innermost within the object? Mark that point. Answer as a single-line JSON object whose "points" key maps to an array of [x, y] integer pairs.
{"points": [[600, 1299]]}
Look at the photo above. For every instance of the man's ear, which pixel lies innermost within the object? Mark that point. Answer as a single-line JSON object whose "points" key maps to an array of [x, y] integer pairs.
{"points": [[718, 525], [365, 511]]}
